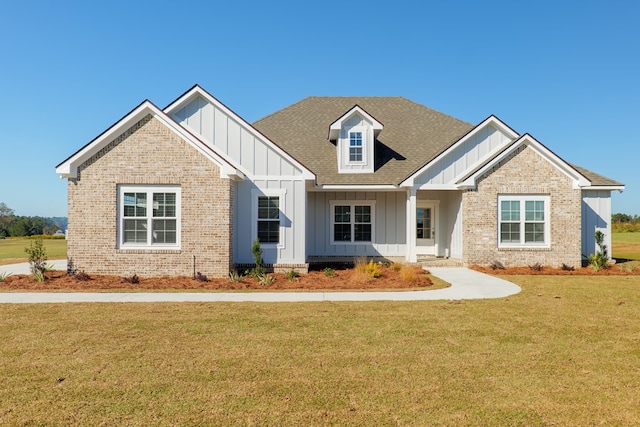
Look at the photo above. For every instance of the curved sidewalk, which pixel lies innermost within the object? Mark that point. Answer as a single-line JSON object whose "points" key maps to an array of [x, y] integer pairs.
{"points": [[465, 284]]}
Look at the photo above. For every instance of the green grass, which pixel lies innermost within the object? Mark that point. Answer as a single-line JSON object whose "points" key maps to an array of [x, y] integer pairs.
{"points": [[12, 249], [626, 245], [563, 352]]}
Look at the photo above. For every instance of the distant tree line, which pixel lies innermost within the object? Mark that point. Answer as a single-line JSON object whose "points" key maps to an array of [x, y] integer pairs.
{"points": [[12, 225], [620, 218]]}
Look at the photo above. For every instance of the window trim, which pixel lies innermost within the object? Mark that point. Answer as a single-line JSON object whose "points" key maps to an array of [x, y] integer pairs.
{"points": [[270, 192], [364, 149], [355, 147], [352, 204], [522, 199], [149, 190]]}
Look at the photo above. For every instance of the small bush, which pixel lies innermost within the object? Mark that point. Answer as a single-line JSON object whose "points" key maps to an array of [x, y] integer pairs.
{"points": [[370, 269], [292, 275], [600, 259], [497, 265], [566, 267], [82, 276], [397, 266], [4, 275], [329, 272], [408, 273], [266, 280], [134, 280], [200, 277], [234, 276], [37, 259], [536, 267]]}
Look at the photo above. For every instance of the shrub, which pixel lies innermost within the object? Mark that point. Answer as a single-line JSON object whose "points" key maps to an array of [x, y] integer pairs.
{"points": [[265, 279], [329, 272], [200, 277], [371, 269], [4, 275], [133, 279], [536, 267], [497, 265], [600, 259], [256, 250], [234, 276], [397, 266], [566, 267], [37, 259], [408, 273], [292, 275], [82, 276]]}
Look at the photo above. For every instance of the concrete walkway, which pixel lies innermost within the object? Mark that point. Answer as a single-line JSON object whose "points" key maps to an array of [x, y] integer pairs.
{"points": [[465, 284]]}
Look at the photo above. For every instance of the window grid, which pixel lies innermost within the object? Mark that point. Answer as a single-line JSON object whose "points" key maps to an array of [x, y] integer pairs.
{"points": [[149, 218], [269, 219], [352, 223], [523, 220], [355, 146]]}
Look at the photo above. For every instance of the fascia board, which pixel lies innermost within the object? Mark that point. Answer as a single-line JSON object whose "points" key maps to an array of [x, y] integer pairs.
{"points": [[489, 121], [355, 187], [469, 181], [619, 188], [199, 91], [335, 127]]}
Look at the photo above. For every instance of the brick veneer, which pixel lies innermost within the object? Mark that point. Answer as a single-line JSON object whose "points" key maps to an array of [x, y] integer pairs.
{"points": [[523, 172], [149, 153]]}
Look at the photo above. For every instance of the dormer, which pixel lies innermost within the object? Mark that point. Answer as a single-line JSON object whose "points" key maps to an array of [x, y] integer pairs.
{"points": [[354, 134]]}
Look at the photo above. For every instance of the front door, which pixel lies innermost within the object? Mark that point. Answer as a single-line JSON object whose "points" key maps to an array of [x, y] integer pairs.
{"points": [[425, 229]]}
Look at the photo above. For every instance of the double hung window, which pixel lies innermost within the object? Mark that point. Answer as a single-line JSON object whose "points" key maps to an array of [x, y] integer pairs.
{"points": [[523, 220], [149, 216], [351, 222], [269, 219], [355, 147]]}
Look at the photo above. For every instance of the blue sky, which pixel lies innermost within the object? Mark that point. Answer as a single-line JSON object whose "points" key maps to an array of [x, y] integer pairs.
{"points": [[567, 72]]}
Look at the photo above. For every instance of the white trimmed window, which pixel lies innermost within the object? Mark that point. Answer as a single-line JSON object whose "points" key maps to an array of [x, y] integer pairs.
{"points": [[523, 220], [352, 222], [149, 216], [267, 208], [355, 147]]}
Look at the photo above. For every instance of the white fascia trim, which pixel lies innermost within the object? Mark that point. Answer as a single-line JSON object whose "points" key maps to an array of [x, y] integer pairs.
{"points": [[438, 187], [619, 188], [489, 121], [69, 168], [198, 91], [334, 187], [579, 181], [334, 128]]}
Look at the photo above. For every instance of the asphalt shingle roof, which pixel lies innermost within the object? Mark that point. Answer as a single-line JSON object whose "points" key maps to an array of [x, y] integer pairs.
{"points": [[413, 134]]}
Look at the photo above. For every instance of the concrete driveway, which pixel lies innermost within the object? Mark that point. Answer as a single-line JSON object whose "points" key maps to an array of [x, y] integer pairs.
{"points": [[465, 284]]}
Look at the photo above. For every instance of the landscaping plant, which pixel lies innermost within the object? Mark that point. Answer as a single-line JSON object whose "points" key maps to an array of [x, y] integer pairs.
{"points": [[37, 259], [600, 259]]}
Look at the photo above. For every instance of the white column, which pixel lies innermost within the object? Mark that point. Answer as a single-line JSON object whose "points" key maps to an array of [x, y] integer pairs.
{"points": [[411, 226]]}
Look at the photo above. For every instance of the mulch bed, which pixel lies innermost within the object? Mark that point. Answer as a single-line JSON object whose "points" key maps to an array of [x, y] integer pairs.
{"points": [[614, 270], [346, 279]]}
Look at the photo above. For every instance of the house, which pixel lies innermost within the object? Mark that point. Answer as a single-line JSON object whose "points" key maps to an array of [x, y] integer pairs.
{"points": [[189, 188]]}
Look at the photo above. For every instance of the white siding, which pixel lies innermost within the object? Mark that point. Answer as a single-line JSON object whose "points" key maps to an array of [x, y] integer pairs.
{"points": [[234, 139], [461, 159], [596, 215], [390, 220], [292, 222]]}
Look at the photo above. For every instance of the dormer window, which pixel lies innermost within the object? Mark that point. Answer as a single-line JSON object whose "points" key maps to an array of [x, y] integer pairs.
{"points": [[355, 147], [354, 134]]}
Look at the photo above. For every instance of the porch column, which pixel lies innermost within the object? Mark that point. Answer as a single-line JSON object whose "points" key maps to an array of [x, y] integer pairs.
{"points": [[411, 255]]}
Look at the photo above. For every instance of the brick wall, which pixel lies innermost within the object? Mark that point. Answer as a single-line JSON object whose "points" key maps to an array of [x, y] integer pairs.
{"points": [[149, 153], [523, 172]]}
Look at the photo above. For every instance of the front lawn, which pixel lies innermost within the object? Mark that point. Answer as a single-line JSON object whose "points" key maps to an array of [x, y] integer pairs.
{"points": [[12, 249], [565, 351]]}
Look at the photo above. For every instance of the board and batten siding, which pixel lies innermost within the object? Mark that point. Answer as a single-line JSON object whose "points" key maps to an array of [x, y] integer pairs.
{"points": [[241, 144], [389, 224], [463, 157], [596, 215], [266, 169]]}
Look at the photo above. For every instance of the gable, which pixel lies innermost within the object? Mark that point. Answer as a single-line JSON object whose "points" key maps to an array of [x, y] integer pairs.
{"points": [[232, 137], [69, 167], [469, 152]]}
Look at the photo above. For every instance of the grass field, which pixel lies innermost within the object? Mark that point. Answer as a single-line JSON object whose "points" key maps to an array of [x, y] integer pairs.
{"points": [[12, 249], [566, 351], [626, 245]]}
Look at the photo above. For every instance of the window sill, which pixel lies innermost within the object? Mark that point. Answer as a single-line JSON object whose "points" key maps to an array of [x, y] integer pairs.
{"points": [[149, 250], [524, 248]]}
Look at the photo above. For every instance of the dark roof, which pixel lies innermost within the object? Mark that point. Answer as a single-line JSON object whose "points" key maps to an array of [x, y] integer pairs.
{"points": [[412, 136], [596, 179]]}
